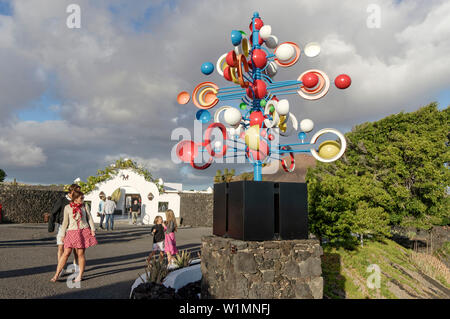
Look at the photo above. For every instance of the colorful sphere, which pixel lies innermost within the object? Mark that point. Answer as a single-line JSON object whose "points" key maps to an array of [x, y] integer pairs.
{"points": [[259, 57], [310, 80], [231, 59], [243, 106], [227, 73], [259, 154], [282, 107], [265, 31], [207, 68], [342, 81], [272, 42], [232, 116], [262, 103], [258, 24], [301, 136], [285, 52], [186, 151], [260, 89], [329, 149], [256, 118], [203, 116], [252, 137], [306, 125], [236, 37]]}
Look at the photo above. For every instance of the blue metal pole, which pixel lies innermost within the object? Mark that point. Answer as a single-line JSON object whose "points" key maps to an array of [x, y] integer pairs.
{"points": [[257, 171]]}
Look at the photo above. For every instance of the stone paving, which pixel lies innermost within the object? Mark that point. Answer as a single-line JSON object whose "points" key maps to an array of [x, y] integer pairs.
{"points": [[28, 261]]}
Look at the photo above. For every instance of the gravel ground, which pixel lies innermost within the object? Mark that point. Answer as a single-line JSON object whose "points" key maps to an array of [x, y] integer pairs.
{"points": [[28, 261]]}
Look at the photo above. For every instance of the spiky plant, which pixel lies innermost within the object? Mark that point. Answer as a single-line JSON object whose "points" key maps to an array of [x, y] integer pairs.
{"points": [[156, 270], [183, 259]]}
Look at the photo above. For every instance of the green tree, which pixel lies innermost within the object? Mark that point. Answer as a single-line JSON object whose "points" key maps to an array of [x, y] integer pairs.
{"points": [[369, 221], [396, 164], [227, 176], [2, 175]]}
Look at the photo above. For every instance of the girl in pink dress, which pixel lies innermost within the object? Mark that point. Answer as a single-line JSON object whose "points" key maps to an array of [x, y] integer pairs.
{"points": [[78, 233], [170, 244]]}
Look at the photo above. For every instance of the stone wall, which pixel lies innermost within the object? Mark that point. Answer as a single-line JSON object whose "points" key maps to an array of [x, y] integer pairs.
{"points": [[270, 269], [27, 204], [196, 209]]}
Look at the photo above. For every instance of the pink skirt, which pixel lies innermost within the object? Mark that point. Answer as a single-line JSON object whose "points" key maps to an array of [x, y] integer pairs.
{"points": [[170, 244], [80, 238]]}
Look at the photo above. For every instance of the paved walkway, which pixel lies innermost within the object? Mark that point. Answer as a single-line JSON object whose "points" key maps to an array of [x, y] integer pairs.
{"points": [[28, 261]]}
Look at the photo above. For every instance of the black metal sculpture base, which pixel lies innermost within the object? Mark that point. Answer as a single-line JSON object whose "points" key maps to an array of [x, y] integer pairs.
{"points": [[249, 210]]}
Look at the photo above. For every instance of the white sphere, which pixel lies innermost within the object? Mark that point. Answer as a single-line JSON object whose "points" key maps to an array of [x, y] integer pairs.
{"points": [[265, 31], [306, 125], [271, 42], [282, 107], [232, 116], [285, 52], [271, 69]]}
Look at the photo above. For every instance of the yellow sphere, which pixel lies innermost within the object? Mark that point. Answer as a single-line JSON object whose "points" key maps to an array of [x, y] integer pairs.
{"points": [[252, 137], [329, 149]]}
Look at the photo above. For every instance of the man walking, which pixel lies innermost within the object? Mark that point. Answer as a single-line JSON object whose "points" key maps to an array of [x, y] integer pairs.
{"points": [[57, 216], [135, 211], [109, 208], [101, 208]]}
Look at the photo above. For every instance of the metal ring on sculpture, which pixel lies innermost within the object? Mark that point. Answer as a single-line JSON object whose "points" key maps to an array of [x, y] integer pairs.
{"points": [[241, 60], [276, 117], [293, 61], [221, 64], [242, 48], [234, 75], [341, 139], [219, 111], [206, 88], [207, 142], [323, 86], [291, 167], [294, 121]]}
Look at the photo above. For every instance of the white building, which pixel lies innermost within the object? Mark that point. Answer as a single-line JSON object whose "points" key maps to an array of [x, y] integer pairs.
{"points": [[134, 185]]}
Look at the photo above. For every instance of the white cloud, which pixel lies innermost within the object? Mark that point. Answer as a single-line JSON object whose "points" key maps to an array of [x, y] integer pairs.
{"points": [[19, 153]]}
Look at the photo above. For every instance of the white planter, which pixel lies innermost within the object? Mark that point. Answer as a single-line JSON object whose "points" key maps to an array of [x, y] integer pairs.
{"points": [[177, 278]]}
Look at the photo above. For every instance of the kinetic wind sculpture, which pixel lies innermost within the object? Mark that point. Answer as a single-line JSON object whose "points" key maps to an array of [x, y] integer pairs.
{"points": [[252, 67]]}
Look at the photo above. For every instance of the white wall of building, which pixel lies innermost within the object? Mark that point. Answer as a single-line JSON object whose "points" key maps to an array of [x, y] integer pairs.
{"points": [[135, 183]]}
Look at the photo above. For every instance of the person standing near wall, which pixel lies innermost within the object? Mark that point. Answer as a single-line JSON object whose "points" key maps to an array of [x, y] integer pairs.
{"points": [[57, 216], [109, 208], [101, 208], [135, 210]]}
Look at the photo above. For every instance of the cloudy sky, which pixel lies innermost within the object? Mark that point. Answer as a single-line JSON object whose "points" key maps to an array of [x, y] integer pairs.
{"points": [[74, 100]]}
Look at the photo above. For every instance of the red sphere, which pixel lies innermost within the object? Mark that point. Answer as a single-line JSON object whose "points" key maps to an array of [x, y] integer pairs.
{"points": [[227, 73], [310, 80], [260, 40], [258, 24], [187, 151], [256, 118], [342, 81], [231, 58], [270, 137], [259, 58], [260, 88]]}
